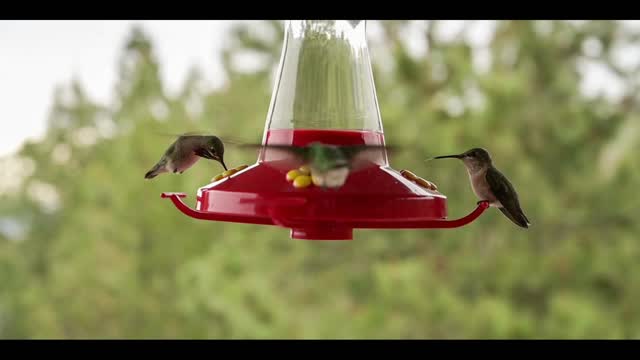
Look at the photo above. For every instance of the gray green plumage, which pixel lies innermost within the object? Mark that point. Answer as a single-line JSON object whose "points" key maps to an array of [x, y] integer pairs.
{"points": [[186, 151], [507, 196], [489, 184]]}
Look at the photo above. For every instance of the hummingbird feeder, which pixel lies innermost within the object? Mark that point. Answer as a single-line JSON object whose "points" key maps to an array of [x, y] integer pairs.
{"points": [[324, 92]]}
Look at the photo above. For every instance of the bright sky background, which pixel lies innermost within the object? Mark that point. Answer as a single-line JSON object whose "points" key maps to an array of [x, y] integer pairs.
{"points": [[35, 56]]}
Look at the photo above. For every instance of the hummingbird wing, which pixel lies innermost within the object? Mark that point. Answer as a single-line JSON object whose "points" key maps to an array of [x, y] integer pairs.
{"points": [[171, 149], [225, 139], [351, 151], [506, 194], [300, 152], [190, 133], [184, 135], [229, 140], [360, 156]]}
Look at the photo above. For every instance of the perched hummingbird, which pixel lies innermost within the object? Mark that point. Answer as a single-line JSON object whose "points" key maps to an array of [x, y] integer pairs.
{"points": [[330, 165], [185, 151], [491, 185]]}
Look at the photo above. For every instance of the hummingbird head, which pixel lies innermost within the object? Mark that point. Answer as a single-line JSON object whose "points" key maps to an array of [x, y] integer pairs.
{"points": [[324, 158], [329, 165], [212, 148], [478, 154], [473, 159]]}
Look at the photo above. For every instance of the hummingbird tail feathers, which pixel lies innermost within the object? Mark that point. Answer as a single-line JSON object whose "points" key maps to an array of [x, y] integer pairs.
{"points": [[518, 218], [150, 175], [155, 171]]}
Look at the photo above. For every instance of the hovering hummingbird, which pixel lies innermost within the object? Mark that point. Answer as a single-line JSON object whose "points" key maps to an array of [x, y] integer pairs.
{"points": [[330, 165], [186, 151], [491, 185]]}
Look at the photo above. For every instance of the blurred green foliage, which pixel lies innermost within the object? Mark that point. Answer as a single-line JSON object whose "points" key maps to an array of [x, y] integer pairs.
{"points": [[98, 254]]}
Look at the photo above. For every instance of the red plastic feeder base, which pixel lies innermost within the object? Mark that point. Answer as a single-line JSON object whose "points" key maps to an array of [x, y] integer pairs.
{"points": [[376, 197]]}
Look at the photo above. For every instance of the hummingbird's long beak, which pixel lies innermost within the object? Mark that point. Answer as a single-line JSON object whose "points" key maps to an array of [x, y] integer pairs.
{"points": [[218, 158], [449, 156], [207, 154]]}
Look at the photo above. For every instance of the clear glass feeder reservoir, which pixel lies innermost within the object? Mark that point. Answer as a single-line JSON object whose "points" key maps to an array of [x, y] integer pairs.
{"points": [[325, 84], [324, 92]]}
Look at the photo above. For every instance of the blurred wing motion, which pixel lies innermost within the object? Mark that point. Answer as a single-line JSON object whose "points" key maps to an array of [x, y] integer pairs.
{"points": [[330, 164], [298, 152], [191, 133], [357, 156], [360, 156], [225, 139]]}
